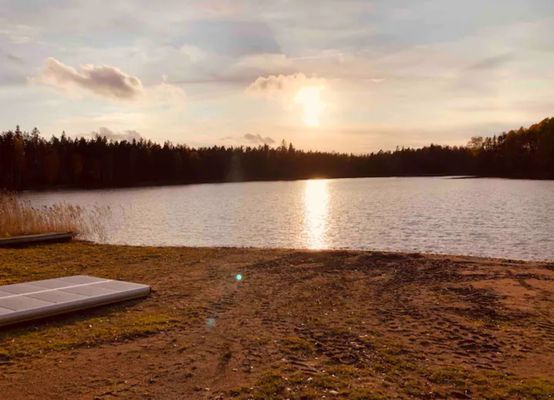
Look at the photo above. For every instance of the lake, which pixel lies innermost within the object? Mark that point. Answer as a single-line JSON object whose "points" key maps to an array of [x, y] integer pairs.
{"points": [[483, 217]]}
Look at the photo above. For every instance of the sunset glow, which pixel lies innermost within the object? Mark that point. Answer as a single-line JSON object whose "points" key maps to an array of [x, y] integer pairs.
{"points": [[203, 74], [309, 98], [306, 199]]}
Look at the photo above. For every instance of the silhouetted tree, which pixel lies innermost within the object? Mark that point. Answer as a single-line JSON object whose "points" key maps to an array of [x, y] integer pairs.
{"points": [[28, 161]]}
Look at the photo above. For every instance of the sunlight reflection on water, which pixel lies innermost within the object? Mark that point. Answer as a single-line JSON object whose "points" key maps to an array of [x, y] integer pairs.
{"points": [[485, 217], [316, 211]]}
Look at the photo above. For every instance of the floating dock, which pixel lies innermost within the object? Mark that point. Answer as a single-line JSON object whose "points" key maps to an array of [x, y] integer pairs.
{"points": [[25, 240], [38, 299]]}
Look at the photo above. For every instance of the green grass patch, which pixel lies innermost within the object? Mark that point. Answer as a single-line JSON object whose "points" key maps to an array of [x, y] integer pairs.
{"points": [[293, 344], [78, 330], [366, 394]]}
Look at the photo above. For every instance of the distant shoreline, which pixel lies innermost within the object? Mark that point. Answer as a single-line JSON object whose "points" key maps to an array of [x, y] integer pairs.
{"points": [[172, 184], [33, 162]]}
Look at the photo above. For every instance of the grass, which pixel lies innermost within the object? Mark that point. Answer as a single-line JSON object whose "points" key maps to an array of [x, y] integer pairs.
{"points": [[108, 324], [189, 285], [539, 389], [20, 217], [337, 382], [293, 344], [102, 325]]}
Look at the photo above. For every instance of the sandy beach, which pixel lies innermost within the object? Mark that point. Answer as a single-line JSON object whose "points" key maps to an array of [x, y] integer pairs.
{"points": [[294, 324]]}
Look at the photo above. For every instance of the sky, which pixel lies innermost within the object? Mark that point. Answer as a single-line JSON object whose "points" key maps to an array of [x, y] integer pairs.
{"points": [[334, 75]]}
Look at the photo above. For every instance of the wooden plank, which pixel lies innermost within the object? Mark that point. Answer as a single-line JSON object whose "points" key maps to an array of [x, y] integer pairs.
{"points": [[39, 299], [25, 240]]}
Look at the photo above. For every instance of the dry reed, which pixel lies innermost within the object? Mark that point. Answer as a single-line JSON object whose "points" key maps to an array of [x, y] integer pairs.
{"points": [[20, 217]]}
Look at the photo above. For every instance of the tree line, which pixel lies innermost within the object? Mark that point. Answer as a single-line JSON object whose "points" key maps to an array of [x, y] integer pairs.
{"points": [[29, 161]]}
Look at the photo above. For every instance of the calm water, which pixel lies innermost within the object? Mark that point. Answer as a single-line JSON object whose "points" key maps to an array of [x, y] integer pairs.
{"points": [[486, 217]]}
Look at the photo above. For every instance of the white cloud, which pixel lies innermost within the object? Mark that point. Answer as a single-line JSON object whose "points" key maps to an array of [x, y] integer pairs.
{"points": [[102, 80]]}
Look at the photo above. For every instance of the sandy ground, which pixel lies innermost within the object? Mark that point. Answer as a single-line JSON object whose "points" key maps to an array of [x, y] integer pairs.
{"points": [[299, 325]]}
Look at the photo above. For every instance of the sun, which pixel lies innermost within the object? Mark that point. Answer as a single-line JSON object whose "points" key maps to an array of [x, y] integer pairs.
{"points": [[309, 98]]}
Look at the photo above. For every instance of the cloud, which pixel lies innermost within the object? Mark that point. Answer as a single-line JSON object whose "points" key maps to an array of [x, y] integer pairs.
{"points": [[230, 37], [258, 139], [128, 135], [295, 90], [165, 95], [102, 80], [275, 84], [249, 139], [269, 62], [492, 62], [17, 33], [13, 58]]}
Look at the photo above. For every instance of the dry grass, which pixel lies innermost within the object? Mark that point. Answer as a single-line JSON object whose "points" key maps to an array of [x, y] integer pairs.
{"points": [[300, 325], [20, 217]]}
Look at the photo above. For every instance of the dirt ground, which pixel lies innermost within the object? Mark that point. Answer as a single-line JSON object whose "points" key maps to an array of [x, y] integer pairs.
{"points": [[298, 325]]}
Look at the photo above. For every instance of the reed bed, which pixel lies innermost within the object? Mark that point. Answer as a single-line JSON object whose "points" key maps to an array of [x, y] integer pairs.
{"points": [[19, 217]]}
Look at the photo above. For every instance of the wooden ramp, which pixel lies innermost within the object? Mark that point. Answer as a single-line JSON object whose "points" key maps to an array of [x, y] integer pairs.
{"points": [[39, 299], [39, 238]]}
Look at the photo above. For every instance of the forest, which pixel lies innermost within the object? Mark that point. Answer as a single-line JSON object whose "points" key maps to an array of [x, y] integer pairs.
{"points": [[29, 161]]}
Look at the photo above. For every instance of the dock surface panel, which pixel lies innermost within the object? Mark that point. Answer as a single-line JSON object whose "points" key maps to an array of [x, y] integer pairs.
{"points": [[38, 299]]}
